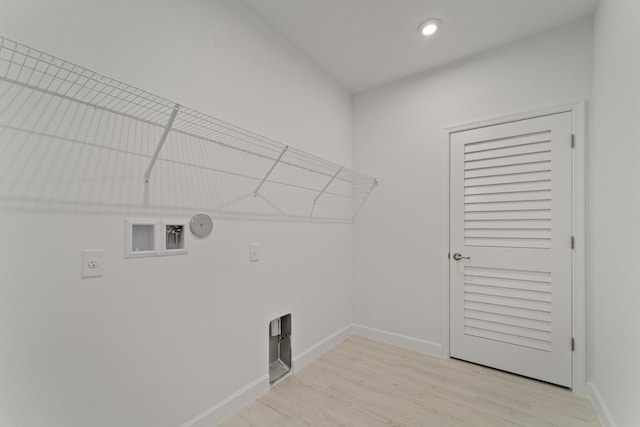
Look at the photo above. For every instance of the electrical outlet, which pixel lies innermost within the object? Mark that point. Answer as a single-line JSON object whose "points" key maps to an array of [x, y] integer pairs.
{"points": [[92, 265], [254, 252]]}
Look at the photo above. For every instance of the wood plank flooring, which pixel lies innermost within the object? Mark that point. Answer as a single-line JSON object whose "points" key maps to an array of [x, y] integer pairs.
{"points": [[361, 382]]}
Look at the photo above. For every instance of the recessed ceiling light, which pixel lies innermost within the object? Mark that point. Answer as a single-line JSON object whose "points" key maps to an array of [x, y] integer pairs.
{"points": [[429, 27]]}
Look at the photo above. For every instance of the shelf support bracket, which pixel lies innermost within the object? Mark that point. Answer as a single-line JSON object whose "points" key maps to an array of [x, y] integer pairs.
{"points": [[163, 138], [255, 193], [335, 175]]}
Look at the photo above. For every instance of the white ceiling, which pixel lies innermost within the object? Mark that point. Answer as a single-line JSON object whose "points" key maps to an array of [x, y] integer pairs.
{"points": [[367, 43]]}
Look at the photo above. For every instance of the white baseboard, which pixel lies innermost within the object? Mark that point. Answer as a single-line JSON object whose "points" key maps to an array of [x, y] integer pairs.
{"points": [[247, 394], [600, 406], [304, 358], [421, 346], [232, 404]]}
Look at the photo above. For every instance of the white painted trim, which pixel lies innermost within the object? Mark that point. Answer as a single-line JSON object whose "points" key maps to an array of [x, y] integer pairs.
{"points": [[445, 249], [578, 113], [247, 394], [579, 265], [600, 406], [564, 108], [307, 356], [421, 346], [232, 404]]}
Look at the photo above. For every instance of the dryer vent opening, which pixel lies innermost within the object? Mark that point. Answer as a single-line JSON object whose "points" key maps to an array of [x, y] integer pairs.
{"points": [[279, 348]]}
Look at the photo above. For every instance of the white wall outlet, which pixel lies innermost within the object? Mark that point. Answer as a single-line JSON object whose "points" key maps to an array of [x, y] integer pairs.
{"points": [[92, 262], [254, 252]]}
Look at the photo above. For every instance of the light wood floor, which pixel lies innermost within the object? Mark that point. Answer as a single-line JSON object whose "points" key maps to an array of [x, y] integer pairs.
{"points": [[367, 383]]}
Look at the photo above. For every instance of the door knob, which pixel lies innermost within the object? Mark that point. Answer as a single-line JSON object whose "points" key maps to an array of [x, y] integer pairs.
{"points": [[458, 256]]}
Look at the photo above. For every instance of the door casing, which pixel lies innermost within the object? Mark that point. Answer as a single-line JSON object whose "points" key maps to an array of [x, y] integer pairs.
{"points": [[578, 207]]}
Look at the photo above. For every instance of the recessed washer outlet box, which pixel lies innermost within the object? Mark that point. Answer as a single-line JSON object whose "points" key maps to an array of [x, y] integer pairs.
{"points": [[175, 237]]}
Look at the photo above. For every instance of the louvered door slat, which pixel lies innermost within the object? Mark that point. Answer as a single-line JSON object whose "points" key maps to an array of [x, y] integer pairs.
{"points": [[501, 273], [520, 159], [539, 325], [507, 215], [508, 292], [509, 331], [508, 187], [514, 170], [537, 147], [514, 196], [508, 339], [542, 224], [544, 175], [518, 312], [510, 141], [526, 285], [518, 205], [512, 233]]}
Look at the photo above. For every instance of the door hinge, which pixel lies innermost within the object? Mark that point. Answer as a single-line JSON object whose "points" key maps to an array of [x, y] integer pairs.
{"points": [[573, 344], [573, 141], [449, 255], [573, 242]]}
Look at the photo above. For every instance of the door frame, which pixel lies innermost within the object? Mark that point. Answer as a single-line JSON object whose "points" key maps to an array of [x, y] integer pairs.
{"points": [[578, 223]]}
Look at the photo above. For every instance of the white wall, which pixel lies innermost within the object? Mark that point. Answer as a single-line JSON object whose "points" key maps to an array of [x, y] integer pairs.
{"points": [[614, 209], [155, 342], [399, 137]]}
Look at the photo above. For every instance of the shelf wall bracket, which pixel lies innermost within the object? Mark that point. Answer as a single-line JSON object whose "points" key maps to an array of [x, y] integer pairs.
{"points": [[255, 193], [163, 138], [335, 175]]}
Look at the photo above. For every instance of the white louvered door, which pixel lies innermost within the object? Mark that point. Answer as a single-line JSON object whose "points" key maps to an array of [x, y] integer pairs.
{"points": [[511, 215]]}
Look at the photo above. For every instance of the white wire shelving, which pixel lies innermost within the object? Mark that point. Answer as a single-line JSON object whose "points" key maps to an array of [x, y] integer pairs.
{"points": [[72, 139]]}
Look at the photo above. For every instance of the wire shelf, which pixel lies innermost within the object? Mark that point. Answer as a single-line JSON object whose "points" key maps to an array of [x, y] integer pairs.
{"points": [[72, 139]]}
